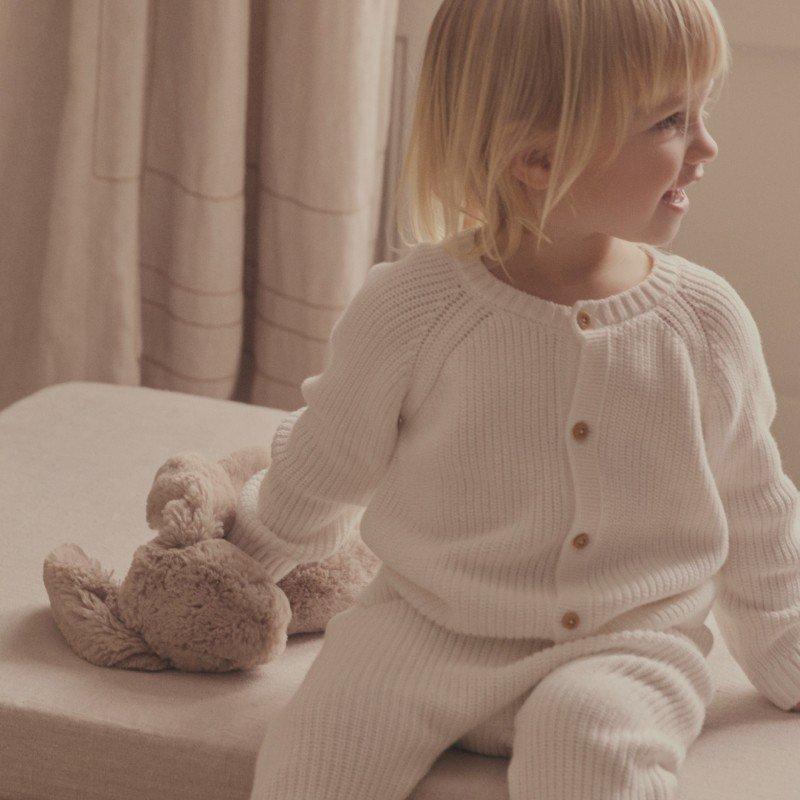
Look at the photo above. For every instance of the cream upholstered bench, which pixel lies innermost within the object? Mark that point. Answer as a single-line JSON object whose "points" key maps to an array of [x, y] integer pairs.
{"points": [[76, 463]]}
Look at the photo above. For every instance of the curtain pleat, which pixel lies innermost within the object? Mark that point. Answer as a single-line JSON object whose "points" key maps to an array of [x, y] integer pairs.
{"points": [[192, 189]]}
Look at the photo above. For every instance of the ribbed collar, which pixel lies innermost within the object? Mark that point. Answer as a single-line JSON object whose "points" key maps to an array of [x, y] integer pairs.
{"points": [[648, 293]]}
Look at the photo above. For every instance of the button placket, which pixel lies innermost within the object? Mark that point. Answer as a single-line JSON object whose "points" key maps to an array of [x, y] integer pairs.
{"points": [[580, 431], [570, 620]]}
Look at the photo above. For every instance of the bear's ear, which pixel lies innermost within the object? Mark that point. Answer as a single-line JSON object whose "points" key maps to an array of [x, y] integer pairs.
{"points": [[83, 601]]}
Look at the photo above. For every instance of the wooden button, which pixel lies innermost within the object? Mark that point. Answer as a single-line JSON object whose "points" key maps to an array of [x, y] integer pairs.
{"points": [[580, 541], [580, 430], [584, 320], [570, 620]]}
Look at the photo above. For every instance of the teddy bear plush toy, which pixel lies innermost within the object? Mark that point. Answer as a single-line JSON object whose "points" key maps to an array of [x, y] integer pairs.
{"points": [[192, 600]]}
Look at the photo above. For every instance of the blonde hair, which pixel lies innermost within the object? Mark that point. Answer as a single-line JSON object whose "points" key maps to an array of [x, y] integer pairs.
{"points": [[502, 77]]}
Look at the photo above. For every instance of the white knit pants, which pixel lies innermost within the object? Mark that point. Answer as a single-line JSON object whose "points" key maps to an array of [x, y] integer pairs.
{"points": [[606, 717]]}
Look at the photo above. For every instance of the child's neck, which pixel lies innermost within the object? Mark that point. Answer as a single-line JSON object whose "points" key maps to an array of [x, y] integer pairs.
{"points": [[627, 266]]}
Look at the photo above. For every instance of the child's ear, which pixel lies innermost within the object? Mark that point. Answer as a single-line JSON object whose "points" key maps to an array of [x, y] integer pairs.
{"points": [[533, 169]]}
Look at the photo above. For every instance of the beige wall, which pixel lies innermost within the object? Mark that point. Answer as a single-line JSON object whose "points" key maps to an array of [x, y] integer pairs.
{"points": [[744, 222]]}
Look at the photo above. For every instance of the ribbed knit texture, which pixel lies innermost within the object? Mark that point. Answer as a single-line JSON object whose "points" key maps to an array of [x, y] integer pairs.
{"points": [[604, 717], [526, 469]]}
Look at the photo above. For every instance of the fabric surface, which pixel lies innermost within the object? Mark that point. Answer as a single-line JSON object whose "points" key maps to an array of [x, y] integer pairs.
{"points": [[154, 230], [527, 469], [606, 717], [76, 463]]}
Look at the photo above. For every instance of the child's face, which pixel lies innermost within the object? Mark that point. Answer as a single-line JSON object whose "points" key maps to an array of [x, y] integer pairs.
{"points": [[624, 201]]}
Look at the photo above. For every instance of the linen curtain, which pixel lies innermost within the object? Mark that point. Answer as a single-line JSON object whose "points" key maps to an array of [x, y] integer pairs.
{"points": [[192, 189]]}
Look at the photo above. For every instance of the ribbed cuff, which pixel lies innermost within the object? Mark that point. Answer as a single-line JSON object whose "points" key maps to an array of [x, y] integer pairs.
{"points": [[280, 440], [251, 537], [779, 679]]}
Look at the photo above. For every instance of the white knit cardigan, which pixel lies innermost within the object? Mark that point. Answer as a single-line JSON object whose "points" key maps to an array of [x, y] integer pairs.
{"points": [[524, 468]]}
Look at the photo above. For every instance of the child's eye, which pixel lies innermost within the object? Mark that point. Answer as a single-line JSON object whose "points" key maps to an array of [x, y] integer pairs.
{"points": [[676, 120], [669, 122]]}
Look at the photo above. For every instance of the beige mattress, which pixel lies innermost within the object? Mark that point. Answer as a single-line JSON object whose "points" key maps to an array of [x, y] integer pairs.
{"points": [[76, 463]]}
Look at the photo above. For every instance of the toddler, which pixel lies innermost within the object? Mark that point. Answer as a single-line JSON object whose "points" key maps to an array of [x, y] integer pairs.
{"points": [[558, 444]]}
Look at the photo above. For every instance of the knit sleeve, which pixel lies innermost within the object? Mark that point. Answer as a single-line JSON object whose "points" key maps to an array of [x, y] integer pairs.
{"points": [[758, 600], [329, 455]]}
